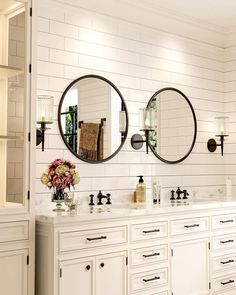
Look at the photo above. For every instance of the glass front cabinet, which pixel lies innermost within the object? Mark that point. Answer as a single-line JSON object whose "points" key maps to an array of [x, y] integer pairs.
{"points": [[16, 222]]}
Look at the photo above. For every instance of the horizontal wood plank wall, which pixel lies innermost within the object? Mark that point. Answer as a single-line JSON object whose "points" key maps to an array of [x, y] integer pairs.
{"points": [[230, 107], [139, 60]]}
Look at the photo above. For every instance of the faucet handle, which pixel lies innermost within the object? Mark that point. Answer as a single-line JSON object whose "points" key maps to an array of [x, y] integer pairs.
{"points": [[186, 194], [91, 203], [172, 195], [108, 199]]}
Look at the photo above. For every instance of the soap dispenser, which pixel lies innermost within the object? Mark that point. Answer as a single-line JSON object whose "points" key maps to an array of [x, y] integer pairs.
{"points": [[141, 192]]}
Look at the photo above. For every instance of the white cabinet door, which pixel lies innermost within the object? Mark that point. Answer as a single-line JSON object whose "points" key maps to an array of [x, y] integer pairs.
{"points": [[13, 272], [111, 274], [190, 268], [77, 276]]}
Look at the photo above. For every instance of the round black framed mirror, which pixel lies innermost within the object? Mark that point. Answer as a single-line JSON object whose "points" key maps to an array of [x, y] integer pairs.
{"points": [[93, 119], [176, 126]]}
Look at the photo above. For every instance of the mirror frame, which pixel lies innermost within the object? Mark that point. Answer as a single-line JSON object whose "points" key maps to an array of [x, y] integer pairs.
{"points": [[125, 109], [195, 125]]}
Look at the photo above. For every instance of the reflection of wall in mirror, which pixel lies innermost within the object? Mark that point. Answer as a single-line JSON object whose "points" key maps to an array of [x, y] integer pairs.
{"points": [[94, 104], [15, 122], [175, 126], [97, 100]]}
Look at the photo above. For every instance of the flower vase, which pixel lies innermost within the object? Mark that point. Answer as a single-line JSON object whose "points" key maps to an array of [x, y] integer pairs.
{"points": [[58, 197]]}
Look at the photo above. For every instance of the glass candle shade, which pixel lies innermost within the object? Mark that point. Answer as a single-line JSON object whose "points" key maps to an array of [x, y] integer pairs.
{"points": [[45, 108], [221, 128], [122, 121], [147, 119]]}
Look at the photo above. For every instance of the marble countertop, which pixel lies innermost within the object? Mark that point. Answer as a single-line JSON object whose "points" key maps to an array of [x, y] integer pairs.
{"points": [[116, 212]]}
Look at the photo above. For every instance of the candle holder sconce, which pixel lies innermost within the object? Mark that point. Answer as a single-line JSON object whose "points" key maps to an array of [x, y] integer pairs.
{"points": [[44, 117], [221, 133], [147, 123]]}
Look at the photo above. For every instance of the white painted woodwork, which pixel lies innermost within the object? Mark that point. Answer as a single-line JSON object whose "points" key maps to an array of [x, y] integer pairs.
{"points": [[154, 254], [76, 240], [76, 277], [14, 272], [224, 262], [8, 72], [147, 231], [190, 267], [188, 226], [224, 221], [195, 268], [224, 282], [14, 231], [224, 242], [16, 221], [112, 277], [149, 279]]}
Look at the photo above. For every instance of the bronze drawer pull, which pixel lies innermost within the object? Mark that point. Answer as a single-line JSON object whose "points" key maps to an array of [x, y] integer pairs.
{"points": [[193, 225], [151, 231], [228, 241], [228, 261], [226, 283], [150, 255], [98, 238], [226, 221], [152, 279]]}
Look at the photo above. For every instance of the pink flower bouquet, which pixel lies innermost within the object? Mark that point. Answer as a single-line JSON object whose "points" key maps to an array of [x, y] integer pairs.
{"points": [[61, 174]]}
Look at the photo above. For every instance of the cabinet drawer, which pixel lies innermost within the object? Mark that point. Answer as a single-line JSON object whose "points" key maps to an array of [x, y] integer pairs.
{"points": [[223, 221], [147, 231], [224, 242], [224, 282], [14, 231], [186, 226], [148, 255], [152, 292], [223, 263], [76, 240], [149, 279]]}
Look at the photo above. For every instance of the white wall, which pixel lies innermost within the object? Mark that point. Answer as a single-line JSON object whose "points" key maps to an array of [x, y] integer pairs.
{"points": [[230, 105], [139, 59]]}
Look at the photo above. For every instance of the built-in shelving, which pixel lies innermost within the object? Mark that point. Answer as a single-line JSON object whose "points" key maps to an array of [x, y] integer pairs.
{"points": [[8, 72], [9, 137]]}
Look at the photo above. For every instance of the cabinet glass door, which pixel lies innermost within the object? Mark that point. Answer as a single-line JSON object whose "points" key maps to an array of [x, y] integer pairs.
{"points": [[13, 103], [111, 274]]}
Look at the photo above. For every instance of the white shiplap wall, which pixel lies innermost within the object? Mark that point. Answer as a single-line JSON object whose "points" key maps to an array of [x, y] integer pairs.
{"points": [[230, 105], [139, 59]]}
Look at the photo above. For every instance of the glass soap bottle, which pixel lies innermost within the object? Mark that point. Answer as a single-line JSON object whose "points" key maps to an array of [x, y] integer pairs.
{"points": [[141, 193]]}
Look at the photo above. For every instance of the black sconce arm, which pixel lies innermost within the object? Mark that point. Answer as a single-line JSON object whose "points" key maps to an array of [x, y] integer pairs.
{"points": [[212, 145]]}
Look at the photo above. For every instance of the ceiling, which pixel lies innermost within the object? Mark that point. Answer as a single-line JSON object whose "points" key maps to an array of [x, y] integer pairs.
{"points": [[221, 13]]}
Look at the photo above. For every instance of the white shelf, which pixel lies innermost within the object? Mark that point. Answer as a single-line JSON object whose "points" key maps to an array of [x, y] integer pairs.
{"points": [[8, 72], [6, 137]]}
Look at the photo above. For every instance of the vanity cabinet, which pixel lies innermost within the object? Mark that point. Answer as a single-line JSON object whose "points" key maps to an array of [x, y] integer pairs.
{"points": [[164, 251], [14, 272], [16, 152], [190, 267], [104, 273]]}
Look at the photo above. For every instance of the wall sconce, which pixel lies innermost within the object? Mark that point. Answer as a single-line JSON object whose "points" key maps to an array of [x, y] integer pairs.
{"points": [[147, 123], [122, 121], [44, 117], [221, 133]]}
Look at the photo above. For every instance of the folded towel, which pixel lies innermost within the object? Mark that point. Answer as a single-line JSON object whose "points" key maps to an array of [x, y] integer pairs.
{"points": [[89, 138]]}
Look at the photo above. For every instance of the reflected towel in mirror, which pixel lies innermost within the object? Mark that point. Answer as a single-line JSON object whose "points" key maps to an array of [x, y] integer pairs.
{"points": [[90, 141]]}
